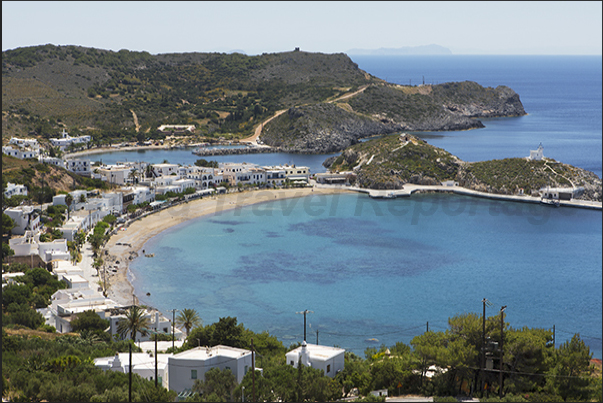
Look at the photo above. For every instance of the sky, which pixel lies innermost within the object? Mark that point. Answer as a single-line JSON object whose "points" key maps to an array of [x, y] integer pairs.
{"points": [[502, 28]]}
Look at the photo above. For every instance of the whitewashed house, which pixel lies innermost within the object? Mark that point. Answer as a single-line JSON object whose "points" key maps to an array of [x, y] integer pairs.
{"points": [[186, 367], [21, 143], [20, 153], [118, 174], [79, 166], [143, 364], [25, 218], [30, 245], [166, 169], [275, 176], [13, 189], [157, 323], [57, 162], [328, 359], [64, 140]]}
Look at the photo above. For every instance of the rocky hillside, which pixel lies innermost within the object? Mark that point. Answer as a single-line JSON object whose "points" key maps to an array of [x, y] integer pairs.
{"points": [[385, 109], [125, 96], [392, 161], [43, 181], [95, 89], [321, 128]]}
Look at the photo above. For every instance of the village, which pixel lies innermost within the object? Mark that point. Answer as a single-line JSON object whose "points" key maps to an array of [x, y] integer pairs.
{"points": [[137, 183]]}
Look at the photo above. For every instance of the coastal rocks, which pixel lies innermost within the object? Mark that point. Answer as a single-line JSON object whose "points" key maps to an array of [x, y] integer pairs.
{"points": [[321, 128], [202, 152]]}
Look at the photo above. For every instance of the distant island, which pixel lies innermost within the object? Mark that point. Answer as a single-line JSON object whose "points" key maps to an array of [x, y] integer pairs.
{"points": [[406, 50]]}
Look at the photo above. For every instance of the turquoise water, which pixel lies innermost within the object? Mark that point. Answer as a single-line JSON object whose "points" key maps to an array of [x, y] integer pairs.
{"points": [[383, 269]]}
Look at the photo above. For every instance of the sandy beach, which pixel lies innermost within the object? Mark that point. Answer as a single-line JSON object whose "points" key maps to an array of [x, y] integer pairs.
{"points": [[126, 245]]}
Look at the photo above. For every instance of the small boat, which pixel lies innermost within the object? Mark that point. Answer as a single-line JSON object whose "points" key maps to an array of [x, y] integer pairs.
{"points": [[550, 202], [372, 340]]}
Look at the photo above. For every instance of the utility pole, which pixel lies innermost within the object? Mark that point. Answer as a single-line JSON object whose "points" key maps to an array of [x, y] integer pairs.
{"points": [[500, 381], [253, 371], [427, 327], [305, 312], [173, 325], [130, 375], [553, 337], [156, 382], [483, 344]]}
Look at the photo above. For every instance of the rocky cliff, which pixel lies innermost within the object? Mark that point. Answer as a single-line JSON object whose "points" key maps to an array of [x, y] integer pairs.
{"points": [[385, 109]]}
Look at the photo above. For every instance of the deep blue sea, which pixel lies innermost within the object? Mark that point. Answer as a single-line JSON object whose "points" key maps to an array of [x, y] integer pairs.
{"points": [[380, 270]]}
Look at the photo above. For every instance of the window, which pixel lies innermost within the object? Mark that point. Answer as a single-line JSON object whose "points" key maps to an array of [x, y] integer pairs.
{"points": [[328, 368], [292, 363], [193, 374]]}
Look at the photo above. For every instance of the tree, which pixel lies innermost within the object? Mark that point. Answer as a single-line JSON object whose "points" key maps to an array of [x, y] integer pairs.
{"points": [[227, 332], [134, 322], [6, 250], [68, 201], [571, 372], [89, 320], [189, 318], [7, 224], [82, 198], [218, 383]]}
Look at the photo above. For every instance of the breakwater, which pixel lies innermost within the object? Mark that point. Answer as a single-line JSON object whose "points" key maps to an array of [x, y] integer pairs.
{"points": [[202, 152]]}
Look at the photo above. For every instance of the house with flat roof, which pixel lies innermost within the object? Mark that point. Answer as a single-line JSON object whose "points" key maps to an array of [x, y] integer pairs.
{"points": [[25, 218], [329, 359], [64, 140], [186, 367], [13, 189], [143, 364], [20, 153]]}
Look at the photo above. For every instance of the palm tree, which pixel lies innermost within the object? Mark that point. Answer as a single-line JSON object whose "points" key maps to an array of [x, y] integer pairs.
{"points": [[68, 201], [189, 318], [134, 322]]}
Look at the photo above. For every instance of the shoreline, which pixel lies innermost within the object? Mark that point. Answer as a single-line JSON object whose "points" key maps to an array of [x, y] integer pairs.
{"points": [[126, 245]]}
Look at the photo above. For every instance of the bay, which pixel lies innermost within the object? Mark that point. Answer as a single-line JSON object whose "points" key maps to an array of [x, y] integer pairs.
{"points": [[383, 269]]}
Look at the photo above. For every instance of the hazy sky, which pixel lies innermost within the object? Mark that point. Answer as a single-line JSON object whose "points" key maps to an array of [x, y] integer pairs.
{"points": [[329, 27]]}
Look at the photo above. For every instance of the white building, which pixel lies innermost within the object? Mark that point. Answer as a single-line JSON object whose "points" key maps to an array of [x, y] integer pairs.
{"points": [[141, 194], [30, 143], [25, 218], [57, 162], [13, 189], [186, 367], [328, 359], [157, 323], [561, 193], [65, 140], [66, 304], [48, 251], [22, 148], [275, 176], [143, 364], [21, 153], [166, 169], [536, 155], [79, 166], [176, 129], [118, 174]]}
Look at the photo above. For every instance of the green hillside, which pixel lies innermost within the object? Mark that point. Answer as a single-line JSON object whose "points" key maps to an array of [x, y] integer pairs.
{"points": [[392, 161], [220, 93]]}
